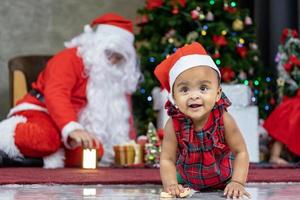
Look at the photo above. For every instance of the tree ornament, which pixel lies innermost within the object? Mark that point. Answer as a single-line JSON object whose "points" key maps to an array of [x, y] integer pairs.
{"points": [[242, 75], [153, 4], [216, 54], [242, 51], [227, 74], [175, 10], [142, 20], [237, 25], [224, 32], [253, 46], [192, 36], [251, 71], [219, 40], [195, 14], [280, 82], [201, 16], [209, 16], [248, 21]]}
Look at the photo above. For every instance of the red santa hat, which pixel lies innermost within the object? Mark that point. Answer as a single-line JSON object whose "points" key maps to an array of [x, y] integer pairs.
{"points": [[116, 24], [183, 59]]}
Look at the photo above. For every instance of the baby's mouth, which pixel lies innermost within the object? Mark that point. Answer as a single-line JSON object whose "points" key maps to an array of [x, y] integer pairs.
{"points": [[195, 105]]}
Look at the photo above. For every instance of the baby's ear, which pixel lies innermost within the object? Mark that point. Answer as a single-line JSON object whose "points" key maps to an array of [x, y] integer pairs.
{"points": [[219, 94]]}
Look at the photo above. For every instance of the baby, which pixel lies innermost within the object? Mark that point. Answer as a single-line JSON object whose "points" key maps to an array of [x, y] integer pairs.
{"points": [[203, 147]]}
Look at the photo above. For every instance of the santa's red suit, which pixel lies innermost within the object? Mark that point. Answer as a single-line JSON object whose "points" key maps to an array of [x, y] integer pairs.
{"points": [[41, 122]]}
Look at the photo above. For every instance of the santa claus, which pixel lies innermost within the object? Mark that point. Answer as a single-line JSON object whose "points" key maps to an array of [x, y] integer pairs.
{"points": [[81, 98]]}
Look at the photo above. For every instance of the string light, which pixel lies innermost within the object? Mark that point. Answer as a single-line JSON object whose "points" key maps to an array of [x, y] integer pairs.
{"points": [[233, 4], [268, 79], [224, 32], [203, 33], [218, 61], [267, 107], [241, 40], [205, 27], [142, 90], [152, 59], [211, 2], [174, 49], [253, 99], [246, 82], [256, 82], [149, 98], [170, 40]]}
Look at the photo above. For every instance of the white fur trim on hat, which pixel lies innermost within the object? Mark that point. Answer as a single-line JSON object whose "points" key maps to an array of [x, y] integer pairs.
{"points": [[187, 62], [67, 129], [114, 30], [25, 106], [55, 160], [7, 132]]}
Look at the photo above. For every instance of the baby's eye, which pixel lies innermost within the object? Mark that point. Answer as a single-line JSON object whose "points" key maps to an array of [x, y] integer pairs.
{"points": [[203, 88], [184, 89]]}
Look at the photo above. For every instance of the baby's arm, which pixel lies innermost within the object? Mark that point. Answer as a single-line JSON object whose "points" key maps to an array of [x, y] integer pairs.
{"points": [[237, 145], [167, 161]]}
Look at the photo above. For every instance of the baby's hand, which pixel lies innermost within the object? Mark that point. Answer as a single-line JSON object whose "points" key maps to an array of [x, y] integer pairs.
{"points": [[235, 190], [174, 189]]}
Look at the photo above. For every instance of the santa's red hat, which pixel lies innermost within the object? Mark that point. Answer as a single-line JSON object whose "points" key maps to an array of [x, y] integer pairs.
{"points": [[115, 24], [183, 59]]}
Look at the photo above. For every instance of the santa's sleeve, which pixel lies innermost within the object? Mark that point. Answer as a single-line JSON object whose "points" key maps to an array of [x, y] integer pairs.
{"points": [[132, 130], [60, 76]]}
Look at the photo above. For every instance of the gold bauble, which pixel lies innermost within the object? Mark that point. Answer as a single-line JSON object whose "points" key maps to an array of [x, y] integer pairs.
{"points": [[237, 25]]}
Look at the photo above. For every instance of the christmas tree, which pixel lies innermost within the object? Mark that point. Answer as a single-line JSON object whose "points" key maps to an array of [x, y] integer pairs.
{"points": [[225, 30], [288, 64], [152, 147]]}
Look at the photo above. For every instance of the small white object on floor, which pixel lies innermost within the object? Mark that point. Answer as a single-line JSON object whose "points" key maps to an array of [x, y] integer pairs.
{"points": [[185, 194]]}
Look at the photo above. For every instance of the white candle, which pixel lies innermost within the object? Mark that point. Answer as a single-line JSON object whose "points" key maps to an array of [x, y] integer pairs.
{"points": [[89, 160]]}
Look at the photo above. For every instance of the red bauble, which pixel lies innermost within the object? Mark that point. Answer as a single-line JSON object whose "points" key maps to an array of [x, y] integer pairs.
{"points": [[142, 20], [227, 74], [175, 11], [219, 40], [242, 51], [152, 4]]}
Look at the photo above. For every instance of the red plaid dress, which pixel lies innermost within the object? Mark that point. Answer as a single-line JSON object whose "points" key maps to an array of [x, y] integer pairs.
{"points": [[204, 159]]}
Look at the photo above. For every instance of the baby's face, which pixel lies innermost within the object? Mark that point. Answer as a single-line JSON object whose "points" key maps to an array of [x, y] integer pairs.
{"points": [[196, 91]]}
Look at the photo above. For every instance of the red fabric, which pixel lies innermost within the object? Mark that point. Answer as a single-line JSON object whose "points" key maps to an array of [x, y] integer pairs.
{"points": [[63, 85], [121, 176], [74, 157], [204, 159], [163, 69], [283, 124], [115, 20], [39, 136]]}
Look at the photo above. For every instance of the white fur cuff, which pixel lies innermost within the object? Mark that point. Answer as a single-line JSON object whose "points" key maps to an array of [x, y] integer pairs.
{"points": [[7, 130], [67, 129], [55, 160]]}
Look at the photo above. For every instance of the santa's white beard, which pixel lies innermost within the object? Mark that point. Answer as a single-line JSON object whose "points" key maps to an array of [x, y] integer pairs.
{"points": [[107, 112]]}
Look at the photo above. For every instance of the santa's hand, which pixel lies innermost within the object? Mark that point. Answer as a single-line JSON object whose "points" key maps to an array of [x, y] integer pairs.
{"points": [[84, 139]]}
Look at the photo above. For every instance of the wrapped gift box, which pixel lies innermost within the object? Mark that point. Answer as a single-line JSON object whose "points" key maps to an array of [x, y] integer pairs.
{"points": [[247, 120], [239, 94]]}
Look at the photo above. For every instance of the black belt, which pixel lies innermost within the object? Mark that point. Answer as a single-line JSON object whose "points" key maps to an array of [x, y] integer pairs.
{"points": [[39, 96]]}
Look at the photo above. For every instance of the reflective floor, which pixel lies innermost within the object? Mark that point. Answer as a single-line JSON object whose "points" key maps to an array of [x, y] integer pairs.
{"points": [[277, 191]]}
